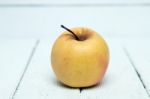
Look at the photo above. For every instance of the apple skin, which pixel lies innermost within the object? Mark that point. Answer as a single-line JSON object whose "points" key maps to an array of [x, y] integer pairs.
{"points": [[80, 63]]}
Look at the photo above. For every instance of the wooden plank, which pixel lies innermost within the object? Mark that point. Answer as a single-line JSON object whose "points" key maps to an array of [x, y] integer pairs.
{"points": [[39, 81], [14, 55], [121, 80], [45, 22], [29, 2], [138, 51]]}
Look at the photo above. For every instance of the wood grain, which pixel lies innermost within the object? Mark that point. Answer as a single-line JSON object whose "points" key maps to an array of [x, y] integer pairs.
{"points": [[39, 81], [14, 55], [138, 51], [120, 81]]}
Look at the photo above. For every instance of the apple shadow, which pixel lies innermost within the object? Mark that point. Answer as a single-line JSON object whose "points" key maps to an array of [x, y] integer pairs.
{"points": [[104, 83], [101, 84], [58, 83]]}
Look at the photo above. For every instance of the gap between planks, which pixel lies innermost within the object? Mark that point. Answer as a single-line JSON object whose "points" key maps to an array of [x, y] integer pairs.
{"points": [[136, 71], [26, 67]]}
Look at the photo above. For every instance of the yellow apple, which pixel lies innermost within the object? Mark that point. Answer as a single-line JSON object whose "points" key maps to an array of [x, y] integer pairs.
{"points": [[79, 57]]}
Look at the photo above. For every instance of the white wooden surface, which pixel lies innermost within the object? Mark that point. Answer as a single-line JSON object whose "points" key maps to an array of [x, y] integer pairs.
{"points": [[139, 52], [39, 82], [14, 55], [41, 22]]}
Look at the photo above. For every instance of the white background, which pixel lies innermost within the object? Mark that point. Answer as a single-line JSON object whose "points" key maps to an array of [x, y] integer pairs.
{"points": [[42, 18]]}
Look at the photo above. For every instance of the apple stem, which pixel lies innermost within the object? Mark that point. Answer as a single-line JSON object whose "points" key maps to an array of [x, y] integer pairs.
{"points": [[70, 32]]}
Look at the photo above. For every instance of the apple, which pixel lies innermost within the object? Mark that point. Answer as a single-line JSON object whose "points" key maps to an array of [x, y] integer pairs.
{"points": [[79, 57]]}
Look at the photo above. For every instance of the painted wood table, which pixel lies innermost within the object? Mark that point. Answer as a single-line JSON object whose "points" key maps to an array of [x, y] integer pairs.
{"points": [[26, 73]]}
